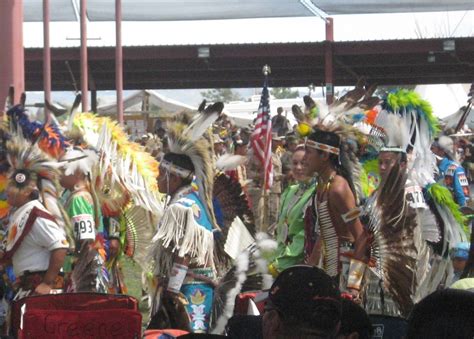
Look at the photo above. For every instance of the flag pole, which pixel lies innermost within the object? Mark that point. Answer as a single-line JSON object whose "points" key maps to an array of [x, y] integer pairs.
{"points": [[266, 70]]}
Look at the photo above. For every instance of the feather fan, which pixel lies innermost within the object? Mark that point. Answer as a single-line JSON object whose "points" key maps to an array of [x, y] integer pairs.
{"points": [[231, 202], [139, 234], [394, 250], [87, 274], [249, 273]]}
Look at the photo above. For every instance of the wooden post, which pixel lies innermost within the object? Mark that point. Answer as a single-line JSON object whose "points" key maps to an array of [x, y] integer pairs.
{"points": [[328, 61], [119, 60], [12, 56], [84, 72], [46, 59]]}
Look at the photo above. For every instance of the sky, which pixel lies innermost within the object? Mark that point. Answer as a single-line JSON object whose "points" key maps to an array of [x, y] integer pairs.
{"points": [[302, 29]]}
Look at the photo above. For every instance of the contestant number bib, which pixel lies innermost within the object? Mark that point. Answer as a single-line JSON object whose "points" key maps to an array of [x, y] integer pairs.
{"points": [[463, 180], [415, 197], [84, 226]]}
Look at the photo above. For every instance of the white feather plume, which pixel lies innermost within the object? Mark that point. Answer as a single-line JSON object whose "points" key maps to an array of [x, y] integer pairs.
{"points": [[200, 124], [395, 128], [229, 162], [242, 266]]}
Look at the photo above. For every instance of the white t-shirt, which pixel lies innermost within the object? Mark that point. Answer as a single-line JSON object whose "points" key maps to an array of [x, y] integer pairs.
{"points": [[35, 250]]}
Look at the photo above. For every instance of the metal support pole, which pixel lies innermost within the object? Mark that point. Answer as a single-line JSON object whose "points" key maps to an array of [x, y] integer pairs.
{"points": [[84, 73], [12, 56], [94, 100], [46, 58], [119, 60], [328, 61]]}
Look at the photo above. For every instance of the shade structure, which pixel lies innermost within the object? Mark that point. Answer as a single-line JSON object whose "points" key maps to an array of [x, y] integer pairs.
{"points": [[387, 62], [178, 10], [61, 10]]}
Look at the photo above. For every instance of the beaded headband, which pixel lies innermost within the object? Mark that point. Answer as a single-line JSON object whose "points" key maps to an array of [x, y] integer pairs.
{"points": [[392, 149], [322, 147], [175, 169]]}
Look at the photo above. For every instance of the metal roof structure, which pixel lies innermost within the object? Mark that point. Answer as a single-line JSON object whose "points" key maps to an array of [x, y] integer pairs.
{"points": [[177, 10], [387, 62]]}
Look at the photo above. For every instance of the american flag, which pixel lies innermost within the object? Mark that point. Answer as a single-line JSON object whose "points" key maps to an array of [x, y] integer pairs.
{"points": [[262, 137]]}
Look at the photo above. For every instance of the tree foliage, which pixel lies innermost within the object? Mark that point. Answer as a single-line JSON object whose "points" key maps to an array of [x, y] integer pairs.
{"points": [[221, 94], [284, 93]]}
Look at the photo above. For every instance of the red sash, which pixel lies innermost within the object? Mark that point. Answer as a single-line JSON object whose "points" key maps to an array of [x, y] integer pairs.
{"points": [[34, 214]]}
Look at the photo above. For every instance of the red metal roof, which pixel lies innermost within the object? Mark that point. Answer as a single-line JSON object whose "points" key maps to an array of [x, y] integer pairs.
{"points": [[386, 62]]}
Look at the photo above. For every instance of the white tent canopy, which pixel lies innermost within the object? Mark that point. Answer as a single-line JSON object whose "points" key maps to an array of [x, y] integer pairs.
{"points": [[452, 120], [445, 99], [134, 102], [177, 10], [448, 102], [243, 113]]}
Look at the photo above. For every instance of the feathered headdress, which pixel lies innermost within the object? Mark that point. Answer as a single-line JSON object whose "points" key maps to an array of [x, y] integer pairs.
{"points": [[124, 169], [307, 118], [189, 141], [28, 164], [405, 102], [421, 126], [47, 135], [397, 137], [344, 145], [78, 159], [411, 120], [357, 105], [31, 168]]}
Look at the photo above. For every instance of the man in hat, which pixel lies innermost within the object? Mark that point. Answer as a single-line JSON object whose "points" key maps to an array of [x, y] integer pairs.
{"points": [[450, 172], [290, 147], [303, 302], [279, 122], [459, 256], [276, 189], [239, 174], [219, 145]]}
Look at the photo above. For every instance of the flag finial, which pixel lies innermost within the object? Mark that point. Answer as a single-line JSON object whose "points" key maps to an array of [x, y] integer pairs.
{"points": [[266, 70]]}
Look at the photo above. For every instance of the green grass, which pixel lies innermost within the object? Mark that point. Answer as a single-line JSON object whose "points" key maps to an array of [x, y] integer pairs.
{"points": [[133, 280]]}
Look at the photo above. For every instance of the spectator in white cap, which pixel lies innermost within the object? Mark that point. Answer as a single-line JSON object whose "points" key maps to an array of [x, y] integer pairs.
{"points": [[219, 146], [451, 174]]}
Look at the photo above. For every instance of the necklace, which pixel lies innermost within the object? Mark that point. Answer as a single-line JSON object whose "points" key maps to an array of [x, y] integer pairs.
{"points": [[323, 186]]}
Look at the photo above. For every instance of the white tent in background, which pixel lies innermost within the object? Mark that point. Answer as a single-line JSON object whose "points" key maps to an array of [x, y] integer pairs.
{"points": [[243, 113], [448, 102], [135, 103], [452, 120], [445, 99]]}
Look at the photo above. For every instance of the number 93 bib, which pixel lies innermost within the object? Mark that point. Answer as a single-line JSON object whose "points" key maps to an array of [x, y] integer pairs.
{"points": [[84, 226]]}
